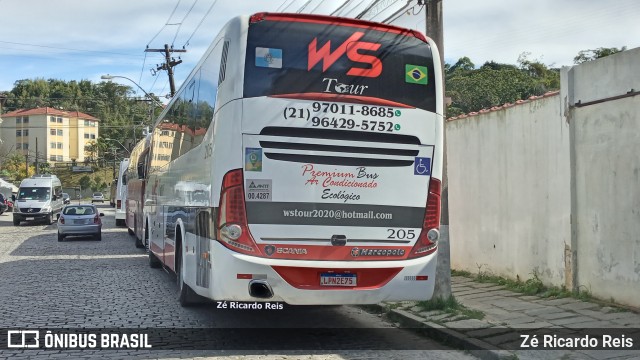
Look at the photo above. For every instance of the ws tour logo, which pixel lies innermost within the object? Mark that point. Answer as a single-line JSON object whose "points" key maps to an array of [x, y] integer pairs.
{"points": [[352, 48]]}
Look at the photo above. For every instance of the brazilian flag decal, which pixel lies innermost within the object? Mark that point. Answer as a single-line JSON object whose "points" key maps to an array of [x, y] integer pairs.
{"points": [[415, 74]]}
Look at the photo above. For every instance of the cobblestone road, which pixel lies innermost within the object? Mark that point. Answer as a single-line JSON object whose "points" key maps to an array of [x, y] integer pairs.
{"points": [[82, 283]]}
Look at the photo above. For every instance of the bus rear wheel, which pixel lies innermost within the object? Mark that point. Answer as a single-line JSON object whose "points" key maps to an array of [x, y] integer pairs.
{"points": [[186, 296]]}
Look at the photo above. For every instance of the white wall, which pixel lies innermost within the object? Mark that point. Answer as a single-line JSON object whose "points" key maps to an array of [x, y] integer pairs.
{"points": [[518, 174], [509, 191], [607, 175]]}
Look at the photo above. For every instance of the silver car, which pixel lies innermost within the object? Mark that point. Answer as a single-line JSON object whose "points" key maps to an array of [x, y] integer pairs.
{"points": [[80, 220]]}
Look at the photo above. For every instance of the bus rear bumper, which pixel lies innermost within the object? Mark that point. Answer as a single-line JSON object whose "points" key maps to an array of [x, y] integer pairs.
{"points": [[297, 282]]}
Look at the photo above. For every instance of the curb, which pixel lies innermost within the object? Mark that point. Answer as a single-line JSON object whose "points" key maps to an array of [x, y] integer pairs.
{"points": [[443, 334]]}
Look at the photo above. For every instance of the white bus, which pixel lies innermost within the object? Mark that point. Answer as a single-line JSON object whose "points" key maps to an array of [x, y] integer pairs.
{"points": [[121, 193], [317, 143]]}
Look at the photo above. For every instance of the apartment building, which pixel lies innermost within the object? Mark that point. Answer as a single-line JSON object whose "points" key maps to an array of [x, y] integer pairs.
{"points": [[61, 135]]}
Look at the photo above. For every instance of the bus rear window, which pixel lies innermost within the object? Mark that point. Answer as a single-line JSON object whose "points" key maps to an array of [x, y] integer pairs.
{"points": [[305, 58]]}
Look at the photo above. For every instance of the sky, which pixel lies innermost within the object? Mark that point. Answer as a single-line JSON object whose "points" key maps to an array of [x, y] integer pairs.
{"points": [[82, 40]]}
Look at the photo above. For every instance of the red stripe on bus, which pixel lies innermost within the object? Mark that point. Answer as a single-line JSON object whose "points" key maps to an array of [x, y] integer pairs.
{"points": [[342, 98], [309, 278], [329, 20]]}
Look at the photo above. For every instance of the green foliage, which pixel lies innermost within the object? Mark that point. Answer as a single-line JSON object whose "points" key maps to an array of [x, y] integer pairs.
{"points": [[86, 182], [532, 286], [14, 168], [451, 306], [495, 84], [98, 185], [588, 55]]}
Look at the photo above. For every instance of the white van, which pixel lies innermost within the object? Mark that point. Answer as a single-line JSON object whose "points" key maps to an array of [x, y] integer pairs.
{"points": [[121, 194], [39, 198]]}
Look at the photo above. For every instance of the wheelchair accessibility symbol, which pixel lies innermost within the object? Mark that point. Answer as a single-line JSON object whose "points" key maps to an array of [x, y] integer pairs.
{"points": [[422, 166]]}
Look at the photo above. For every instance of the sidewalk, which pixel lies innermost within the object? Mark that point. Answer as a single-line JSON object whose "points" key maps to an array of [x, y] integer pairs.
{"points": [[509, 314]]}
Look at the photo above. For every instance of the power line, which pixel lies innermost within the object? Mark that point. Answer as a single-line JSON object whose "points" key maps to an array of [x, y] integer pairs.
{"points": [[317, 6], [144, 61], [396, 15], [278, 9], [350, 10], [200, 23], [286, 7], [303, 7], [340, 8], [182, 22], [165, 24]]}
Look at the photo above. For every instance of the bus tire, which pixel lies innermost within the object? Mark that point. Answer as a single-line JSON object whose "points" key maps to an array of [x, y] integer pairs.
{"points": [[16, 222], [186, 296]]}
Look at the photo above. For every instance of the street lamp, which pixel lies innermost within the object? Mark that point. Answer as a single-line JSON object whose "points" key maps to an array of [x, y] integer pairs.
{"points": [[109, 77], [153, 99]]}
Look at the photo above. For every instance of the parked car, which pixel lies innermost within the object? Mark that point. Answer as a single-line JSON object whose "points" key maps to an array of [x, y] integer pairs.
{"points": [[3, 204], [97, 196], [66, 198], [80, 220]]}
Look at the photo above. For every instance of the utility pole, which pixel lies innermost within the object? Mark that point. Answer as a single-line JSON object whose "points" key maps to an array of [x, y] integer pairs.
{"points": [[168, 64], [443, 268], [37, 168], [26, 163], [114, 162]]}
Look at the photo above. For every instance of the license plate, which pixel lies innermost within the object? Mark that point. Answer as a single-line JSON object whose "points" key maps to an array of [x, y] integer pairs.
{"points": [[330, 279], [81, 221], [29, 218]]}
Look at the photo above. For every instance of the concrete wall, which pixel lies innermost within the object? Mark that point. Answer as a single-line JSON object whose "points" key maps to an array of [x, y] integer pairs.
{"points": [[607, 174], [509, 191], [519, 174]]}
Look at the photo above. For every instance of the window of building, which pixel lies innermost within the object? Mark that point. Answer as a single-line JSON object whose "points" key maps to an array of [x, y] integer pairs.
{"points": [[59, 145], [18, 120], [59, 120], [52, 131], [25, 132], [52, 157], [86, 136], [25, 119], [25, 146], [52, 119], [18, 132], [18, 146], [53, 145], [59, 132], [165, 133], [93, 136], [59, 157]]}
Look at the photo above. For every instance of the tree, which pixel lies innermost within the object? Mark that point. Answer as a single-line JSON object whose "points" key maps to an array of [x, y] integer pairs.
{"points": [[588, 55], [14, 167], [495, 84], [85, 182]]}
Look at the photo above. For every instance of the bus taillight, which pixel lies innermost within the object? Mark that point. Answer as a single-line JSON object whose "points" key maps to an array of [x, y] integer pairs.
{"points": [[232, 216], [427, 241]]}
